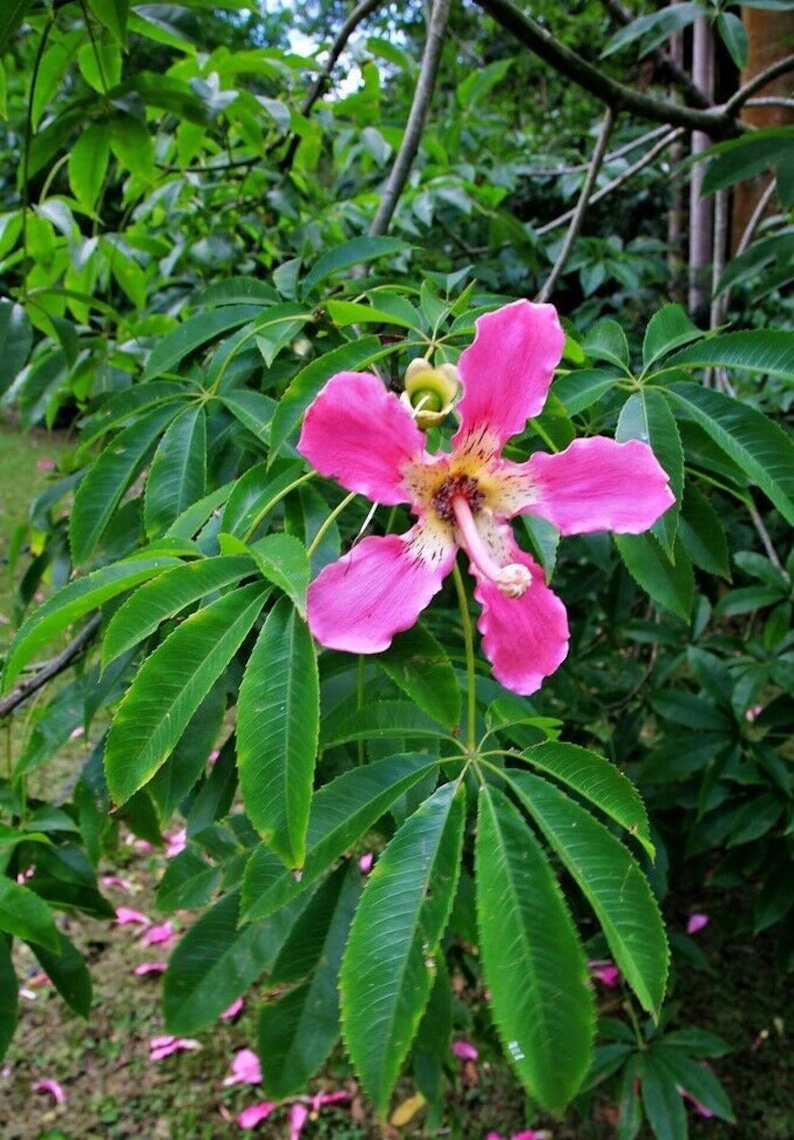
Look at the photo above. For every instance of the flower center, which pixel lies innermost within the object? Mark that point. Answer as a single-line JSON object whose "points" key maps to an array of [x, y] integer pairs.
{"points": [[513, 579]]}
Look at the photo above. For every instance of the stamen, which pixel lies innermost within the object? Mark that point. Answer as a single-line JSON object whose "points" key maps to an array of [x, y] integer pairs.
{"points": [[514, 579]]}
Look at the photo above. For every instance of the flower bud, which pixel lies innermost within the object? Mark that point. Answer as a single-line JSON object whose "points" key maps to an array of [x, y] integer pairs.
{"points": [[430, 392]]}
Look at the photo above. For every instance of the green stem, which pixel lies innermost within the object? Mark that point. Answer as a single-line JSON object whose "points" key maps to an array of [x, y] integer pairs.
{"points": [[360, 703], [348, 499], [271, 503], [468, 640]]}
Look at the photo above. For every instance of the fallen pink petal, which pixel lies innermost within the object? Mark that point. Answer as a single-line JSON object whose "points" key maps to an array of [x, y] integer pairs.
{"points": [[45, 464], [126, 916], [699, 1108], [365, 863], [175, 843], [116, 881], [464, 1050], [696, 922], [362, 435], [321, 1099], [150, 968], [233, 1009], [255, 1114], [245, 1069], [160, 1047], [298, 1115], [48, 1085], [158, 935], [606, 973]]}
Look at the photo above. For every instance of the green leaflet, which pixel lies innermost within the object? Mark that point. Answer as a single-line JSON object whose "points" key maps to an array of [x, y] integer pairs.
{"points": [[646, 416], [611, 881], [101, 490], [9, 1001], [298, 1029], [68, 972], [388, 969], [171, 592], [24, 914], [74, 601], [178, 474], [595, 779], [216, 961], [762, 449], [533, 962], [171, 685], [341, 813], [277, 728]]}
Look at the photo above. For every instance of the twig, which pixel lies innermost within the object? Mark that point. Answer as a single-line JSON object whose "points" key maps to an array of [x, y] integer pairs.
{"points": [[46, 673], [581, 207], [718, 123], [737, 101], [756, 217], [439, 17], [763, 534], [669, 138], [364, 9]]}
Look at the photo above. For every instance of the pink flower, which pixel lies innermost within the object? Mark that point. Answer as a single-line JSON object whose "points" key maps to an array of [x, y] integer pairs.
{"points": [[158, 935], [245, 1069], [126, 915], [255, 1114], [298, 1115], [366, 438], [464, 1050], [150, 968], [233, 1009], [696, 922], [52, 1087], [160, 1047], [605, 973]]}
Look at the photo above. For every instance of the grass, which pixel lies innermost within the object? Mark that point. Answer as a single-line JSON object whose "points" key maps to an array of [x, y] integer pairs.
{"points": [[115, 1091]]}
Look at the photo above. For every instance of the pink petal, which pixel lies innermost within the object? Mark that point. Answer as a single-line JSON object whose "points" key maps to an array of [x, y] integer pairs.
{"points": [[526, 638], [360, 434], [116, 881], [52, 1087], [359, 602], [696, 922], [245, 1069], [699, 1108], [158, 935], [298, 1115], [255, 1113], [160, 1047], [599, 484], [464, 1050], [365, 862], [125, 915], [604, 972], [233, 1009], [175, 843], [507, 370], [150, 968], [321, 1099]]}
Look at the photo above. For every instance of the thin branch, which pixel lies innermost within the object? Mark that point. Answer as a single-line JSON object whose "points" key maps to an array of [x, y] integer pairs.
{"points": [[718, 123], [581, 207], [320, 85], [431, 57], [757, 215], [616, 183], [666, 69], [47, 672], [737, 101]]}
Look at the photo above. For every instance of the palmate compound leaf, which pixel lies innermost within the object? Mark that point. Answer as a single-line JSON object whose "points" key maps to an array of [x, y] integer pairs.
{"points": [[388, 967], [277, 728], [611, 881], [299, 1027], [533, 961], [342, 811], [596, 780], [171, 684]]}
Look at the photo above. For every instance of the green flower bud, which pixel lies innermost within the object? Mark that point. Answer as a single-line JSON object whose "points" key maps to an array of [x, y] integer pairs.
{"points": [[430, 392]]}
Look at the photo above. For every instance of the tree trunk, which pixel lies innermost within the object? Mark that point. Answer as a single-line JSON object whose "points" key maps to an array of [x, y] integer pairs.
{"points": [[771, 37]]}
